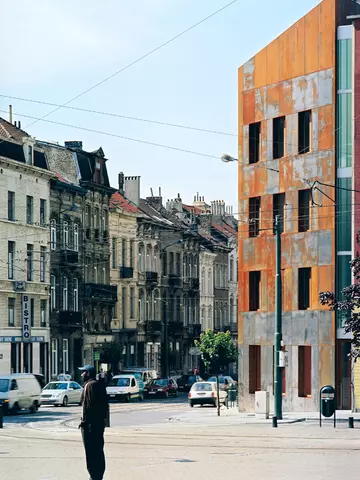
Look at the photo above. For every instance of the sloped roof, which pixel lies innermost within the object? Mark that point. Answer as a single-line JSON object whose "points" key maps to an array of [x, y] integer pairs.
{"points": [[193, 209], [8, 130], [118, 200]]}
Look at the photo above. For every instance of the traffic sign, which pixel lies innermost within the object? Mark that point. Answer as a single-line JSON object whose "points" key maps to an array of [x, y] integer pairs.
{"points": [[194, 351], [97, 356]]}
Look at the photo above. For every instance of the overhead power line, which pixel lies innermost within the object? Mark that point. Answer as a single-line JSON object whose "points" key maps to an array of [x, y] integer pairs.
{"points": [[129, 65]]}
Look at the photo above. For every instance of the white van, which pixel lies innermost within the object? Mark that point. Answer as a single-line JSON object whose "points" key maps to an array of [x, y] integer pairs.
{"points": [[147, 374], [124, 387], [18, 391]]}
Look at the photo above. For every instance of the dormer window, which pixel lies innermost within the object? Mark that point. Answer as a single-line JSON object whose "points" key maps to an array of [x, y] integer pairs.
{"points": [[30, 155], [98, 165]]}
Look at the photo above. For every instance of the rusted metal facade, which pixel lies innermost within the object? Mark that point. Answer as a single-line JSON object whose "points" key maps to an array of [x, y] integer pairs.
{"points": [[293, 74]]}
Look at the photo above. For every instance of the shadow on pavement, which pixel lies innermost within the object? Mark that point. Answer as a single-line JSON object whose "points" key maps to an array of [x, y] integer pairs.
{"points": [[40, 416]]}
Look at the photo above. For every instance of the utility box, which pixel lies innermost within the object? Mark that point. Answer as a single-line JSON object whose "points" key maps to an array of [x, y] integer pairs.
{"points": [[262, 404]]}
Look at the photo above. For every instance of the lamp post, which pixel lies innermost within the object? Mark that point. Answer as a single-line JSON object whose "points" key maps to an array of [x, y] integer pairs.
{"points": [[278, 312]]}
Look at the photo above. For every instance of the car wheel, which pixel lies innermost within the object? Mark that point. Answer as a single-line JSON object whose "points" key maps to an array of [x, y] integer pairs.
{"points": [[34, 407], [65, 401], [15, 409], [191, 404], [166, 395]]}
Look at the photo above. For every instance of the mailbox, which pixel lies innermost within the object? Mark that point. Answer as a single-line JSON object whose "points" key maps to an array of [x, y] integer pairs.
{"points": [[328, 402]]}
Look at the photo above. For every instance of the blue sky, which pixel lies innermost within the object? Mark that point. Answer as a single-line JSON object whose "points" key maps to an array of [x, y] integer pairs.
{"points": [[56, 50]]}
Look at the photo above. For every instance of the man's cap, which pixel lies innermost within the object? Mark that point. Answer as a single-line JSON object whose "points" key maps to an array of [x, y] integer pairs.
{"points": [[88, 368]]}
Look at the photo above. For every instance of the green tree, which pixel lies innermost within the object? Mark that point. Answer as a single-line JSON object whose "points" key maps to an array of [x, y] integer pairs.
{"points": [[111, 353], [217, 351]]}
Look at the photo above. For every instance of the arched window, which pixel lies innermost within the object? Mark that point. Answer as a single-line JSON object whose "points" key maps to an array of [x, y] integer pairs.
{"points": [[53, 234], [76, 237], [156, 259], [231, 269], [141, 258], [149, 259], [65, 234], [189, 266], [195, 266]]}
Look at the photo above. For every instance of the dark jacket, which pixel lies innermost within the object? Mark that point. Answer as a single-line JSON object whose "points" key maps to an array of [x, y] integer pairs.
{"points": [[94, 402]]}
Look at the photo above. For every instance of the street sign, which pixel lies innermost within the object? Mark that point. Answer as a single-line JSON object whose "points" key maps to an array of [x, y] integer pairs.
{"points": [[195, 351], [97, 356]]}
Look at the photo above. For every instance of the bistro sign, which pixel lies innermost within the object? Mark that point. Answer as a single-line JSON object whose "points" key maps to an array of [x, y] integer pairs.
{"points": [[26, 322], [20, 339]]}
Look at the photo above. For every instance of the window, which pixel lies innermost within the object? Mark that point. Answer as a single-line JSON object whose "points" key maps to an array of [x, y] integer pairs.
{"points": [[53, 292], [65, 302], [43, 313], [42, 263], [95, 273], [65, 355], [29, 262], [278, 137], [114, 252], [52, 234], [29, 159], [11, 257], [88, 216], [132, 302], [171, 263], [304, 288], [254, 368], [254, 291], [304, 201], [29, 209], [231, 270], [141, 258], [304, 129], [123, 252], [123, 306], [254, 216], [304, 371], [254, 142], [32, 311], [54, 357], [76, 295], [279, 209], [178, 264], [76, 237], [65, 235], [42, 211], [11, 206], [11, 312], [164, 264], [105, 220], [131, 263]]}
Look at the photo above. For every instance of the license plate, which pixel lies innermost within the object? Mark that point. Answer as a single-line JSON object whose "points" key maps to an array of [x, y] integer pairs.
{"points": [[112, 396], [152, 393]]}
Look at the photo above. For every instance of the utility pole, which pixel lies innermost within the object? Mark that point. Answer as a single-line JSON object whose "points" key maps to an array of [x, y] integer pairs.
{"points": [[278, 325]]}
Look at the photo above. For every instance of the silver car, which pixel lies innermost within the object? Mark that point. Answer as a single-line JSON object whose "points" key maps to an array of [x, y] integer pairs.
{"points": [[61, 393]]}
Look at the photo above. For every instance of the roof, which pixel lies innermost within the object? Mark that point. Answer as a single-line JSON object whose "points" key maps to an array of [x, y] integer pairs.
{"points": [[225, 229], [118, 200], [193, 209], [8, 130], [87, 165], [156, 216]]}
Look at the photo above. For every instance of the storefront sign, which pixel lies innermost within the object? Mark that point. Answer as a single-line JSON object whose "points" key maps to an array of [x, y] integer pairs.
{"points": [[20, 339], [26, 322]]}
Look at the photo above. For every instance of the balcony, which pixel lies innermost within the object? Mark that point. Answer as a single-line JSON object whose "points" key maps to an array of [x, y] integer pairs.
{"points": [[99, 291], [69, 257], [97, 234], [153, 327], [175, 328], [70, 319], [126, 272], [194, 284], [151, 277], [194, 330], [174, 280]]}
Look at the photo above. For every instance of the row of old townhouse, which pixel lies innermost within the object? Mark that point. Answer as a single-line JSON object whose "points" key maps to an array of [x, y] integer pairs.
{"points": [[87, 264]]}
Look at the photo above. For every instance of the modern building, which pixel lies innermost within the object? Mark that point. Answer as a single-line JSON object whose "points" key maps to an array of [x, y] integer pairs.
{"points": [[24, 261], [296, 100]]}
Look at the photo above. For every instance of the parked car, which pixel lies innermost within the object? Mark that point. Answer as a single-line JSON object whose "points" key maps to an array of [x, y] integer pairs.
{"points": [[41, 379], [204, 393], [162, 387], [139, 378], [231, 381], [147, 374], [19, 391], [185, 382], [124, 387], [224, 382], [61, 393]]}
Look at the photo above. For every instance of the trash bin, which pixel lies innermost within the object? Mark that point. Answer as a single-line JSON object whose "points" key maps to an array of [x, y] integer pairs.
{"points": [[328, 402]]}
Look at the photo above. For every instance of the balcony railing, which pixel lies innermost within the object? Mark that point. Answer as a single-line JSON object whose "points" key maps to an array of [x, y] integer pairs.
{"points": [[226, 328], [100, 291], [151, 277], [153, 327], [69, 257], [194, 330], [174, 280], [175, 328], [70, 319], [126, 272]]}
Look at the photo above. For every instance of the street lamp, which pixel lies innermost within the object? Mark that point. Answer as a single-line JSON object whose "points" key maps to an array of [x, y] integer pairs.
{"points": [[228, 158]]}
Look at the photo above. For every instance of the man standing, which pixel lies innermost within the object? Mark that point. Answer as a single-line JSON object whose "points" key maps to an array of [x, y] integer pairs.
{"points": [[95, 411]]}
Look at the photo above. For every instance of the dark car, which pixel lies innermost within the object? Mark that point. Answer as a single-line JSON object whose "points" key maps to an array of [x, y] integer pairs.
{"points": [[161, 387], [185, 382]]}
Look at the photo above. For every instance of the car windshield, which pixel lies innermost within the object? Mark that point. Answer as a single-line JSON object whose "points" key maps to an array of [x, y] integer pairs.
{"points": [[213, 379], [160, 382], [120, 382], [4, 386], [138, 376], [56, 386], [202, 387]]}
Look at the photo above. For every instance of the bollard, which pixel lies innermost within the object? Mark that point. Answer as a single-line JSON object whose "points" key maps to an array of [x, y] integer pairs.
{"points": [[1, 416], [351, 422], [274, 422]]}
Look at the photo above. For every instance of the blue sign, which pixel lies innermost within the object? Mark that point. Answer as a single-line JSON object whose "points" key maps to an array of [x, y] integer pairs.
{"points": [[19, 339]]}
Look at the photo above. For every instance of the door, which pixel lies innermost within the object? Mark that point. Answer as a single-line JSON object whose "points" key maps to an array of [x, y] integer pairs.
{"points": [[343, 374], [134, 388]]}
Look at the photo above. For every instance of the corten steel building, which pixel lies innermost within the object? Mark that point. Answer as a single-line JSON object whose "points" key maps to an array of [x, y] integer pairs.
{"points": [[296, 116]]}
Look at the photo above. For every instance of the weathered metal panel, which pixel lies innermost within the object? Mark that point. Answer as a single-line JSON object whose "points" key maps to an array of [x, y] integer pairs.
{"points": [[305, 92], [310, 249], [266, 145], [260, 328], [249, 107], [285, 42], [298, 327], [314, 375], [311, 41], [311, 329], [327, 34], [326, 365], [269, 140], [249, 68], [298, 48], [315, 130], [326, 127], [273, 178], [260, 104], [286, 98], [260, 69], [326, 87], [291, 134], [325, 327], [273, 62], [245, 150], [325, 254], [249, 328], [273, 101]]}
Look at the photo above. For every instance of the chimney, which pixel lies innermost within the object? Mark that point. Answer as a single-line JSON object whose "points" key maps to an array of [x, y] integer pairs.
{"points": [[132, 189], [19, 124], [10, 114], [74, 144], [121, 183]]}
